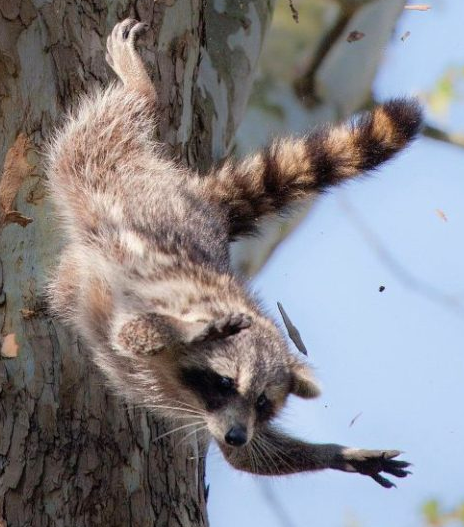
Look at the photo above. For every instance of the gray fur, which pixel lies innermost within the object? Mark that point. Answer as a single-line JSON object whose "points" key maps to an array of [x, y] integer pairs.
{"points": [[145, 277]]}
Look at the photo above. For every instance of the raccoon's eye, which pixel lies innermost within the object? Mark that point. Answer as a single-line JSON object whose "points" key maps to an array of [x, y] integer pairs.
{"points": [[226, 383], [262, 401]]}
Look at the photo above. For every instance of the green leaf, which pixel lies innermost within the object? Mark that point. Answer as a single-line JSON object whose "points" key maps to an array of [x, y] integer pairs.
{"points": [[431, 511]]}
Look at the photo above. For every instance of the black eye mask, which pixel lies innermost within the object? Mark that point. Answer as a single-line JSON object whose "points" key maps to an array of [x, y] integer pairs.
{"points": [[215, 390]]}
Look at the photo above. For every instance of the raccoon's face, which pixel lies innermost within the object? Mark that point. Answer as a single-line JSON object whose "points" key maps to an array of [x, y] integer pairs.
{"points": [[242, 381], [235, 372]]}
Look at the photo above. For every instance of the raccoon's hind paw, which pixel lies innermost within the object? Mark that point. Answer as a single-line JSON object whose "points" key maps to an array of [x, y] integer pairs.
{"points": [[122, 40], [372, 463], [123, 57]]}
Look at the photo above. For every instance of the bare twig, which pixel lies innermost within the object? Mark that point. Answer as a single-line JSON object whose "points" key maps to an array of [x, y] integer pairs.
{"points": [[408, 280], [418, 7], [274, 502], [293, 332], [305, 85], [295, 14]]}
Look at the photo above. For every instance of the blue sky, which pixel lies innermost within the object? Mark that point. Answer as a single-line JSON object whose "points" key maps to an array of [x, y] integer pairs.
{"points": [[395, 357]]}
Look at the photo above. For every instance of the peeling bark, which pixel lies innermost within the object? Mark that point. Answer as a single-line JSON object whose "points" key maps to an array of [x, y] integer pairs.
{"points": [[71, 453]]}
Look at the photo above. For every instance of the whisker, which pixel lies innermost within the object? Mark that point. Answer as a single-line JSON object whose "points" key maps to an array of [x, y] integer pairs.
{"points": [[184, 439], [187, 405], [251, 457], [267, 455], [177, 429], [280, 454], [186, 410], [259, 457]]}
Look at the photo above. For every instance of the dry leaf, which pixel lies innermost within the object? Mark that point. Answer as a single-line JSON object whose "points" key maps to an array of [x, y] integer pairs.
{"points": [[418, 7], [441, 214], [15, 170], [9, 346], [355, 36], [355, 418], [27, 313], [293, 332], [406, 35], [13, 216]]}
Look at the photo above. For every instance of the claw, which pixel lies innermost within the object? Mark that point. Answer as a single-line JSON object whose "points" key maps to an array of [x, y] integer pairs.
{"points": [[401, 464], [398, 472], [390, 454], [384, 482], [374, 462], [126, 26]]}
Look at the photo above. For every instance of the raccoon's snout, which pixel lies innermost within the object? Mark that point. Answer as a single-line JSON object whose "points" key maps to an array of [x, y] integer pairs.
{"points": [[236, 436]]}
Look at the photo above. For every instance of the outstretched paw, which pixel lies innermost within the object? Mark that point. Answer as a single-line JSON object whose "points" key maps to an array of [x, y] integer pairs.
{"points": [[373, 462]]}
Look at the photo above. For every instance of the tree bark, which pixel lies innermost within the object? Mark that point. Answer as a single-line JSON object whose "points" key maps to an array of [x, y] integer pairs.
{"points": [[72, 454]]}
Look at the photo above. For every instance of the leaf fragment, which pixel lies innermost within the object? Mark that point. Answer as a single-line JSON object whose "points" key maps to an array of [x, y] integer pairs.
{"points": [[9, 347], [355, 418], [27, 313], [293, 332], [441, 214], [406, 35], [13, 216], [418, 7], [15, 170], [354, 36]]}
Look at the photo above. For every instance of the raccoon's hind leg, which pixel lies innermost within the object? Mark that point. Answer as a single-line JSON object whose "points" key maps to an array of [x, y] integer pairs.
{"points": [[125, 60], [107, 137]]}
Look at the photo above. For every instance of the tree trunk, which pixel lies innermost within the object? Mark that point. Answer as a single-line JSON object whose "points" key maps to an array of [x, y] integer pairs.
{"points": [[71, 454]]}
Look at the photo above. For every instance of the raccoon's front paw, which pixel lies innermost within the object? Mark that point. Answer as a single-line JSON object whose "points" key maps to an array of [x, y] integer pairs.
{"points": [[223, 327], [372, 463]]}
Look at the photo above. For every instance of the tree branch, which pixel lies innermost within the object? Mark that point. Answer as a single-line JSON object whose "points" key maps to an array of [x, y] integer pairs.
{"points": [[445, 137], [403, 275]]}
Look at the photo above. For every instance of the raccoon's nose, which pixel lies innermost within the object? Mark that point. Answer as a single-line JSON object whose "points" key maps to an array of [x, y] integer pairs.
{"points": [[236, 436]]}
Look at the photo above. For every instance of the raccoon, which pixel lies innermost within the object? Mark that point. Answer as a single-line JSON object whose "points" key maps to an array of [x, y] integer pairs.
{"points": [[145, 277]]}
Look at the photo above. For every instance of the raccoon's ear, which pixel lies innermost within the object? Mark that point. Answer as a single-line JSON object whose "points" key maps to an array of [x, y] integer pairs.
{"points": [[216, 329], [302, 383], [148, 334]]}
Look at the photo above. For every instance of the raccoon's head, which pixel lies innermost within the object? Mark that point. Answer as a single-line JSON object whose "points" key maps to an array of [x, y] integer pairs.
{"points": [[236, 370]]}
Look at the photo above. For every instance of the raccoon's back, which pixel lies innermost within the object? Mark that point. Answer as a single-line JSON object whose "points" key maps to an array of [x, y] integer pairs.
{"points": [[184, 224]]}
